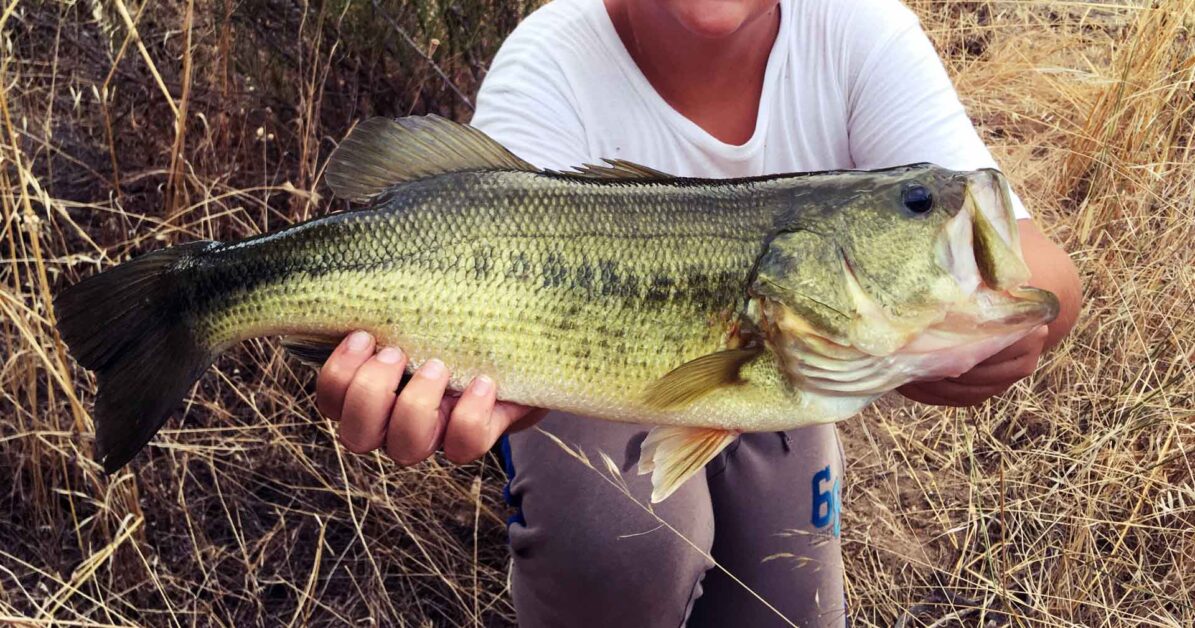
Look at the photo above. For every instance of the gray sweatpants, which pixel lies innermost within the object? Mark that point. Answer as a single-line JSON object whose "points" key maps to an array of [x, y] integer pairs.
{"points": [[767, 509]]}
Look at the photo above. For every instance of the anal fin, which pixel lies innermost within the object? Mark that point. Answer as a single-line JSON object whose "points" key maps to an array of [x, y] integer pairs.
{"points": [[672, 455], [311, 349]]}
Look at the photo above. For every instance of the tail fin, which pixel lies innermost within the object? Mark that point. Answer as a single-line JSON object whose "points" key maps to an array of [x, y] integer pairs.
{"points": [[130, 325]]}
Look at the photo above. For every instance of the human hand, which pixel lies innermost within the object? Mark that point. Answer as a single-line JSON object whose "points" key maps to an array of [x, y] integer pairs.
{"points": [[357, 384], [988, 379]]}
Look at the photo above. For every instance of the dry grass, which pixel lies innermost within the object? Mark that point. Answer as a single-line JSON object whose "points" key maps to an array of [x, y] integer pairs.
{"points": [[125, 126]]}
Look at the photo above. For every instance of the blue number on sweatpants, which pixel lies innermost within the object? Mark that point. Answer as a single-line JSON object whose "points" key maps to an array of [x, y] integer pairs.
{"points": [[827, 494]]}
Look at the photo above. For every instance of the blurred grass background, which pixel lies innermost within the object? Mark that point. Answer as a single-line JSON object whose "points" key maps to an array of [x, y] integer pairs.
{"points": [[126, 126]]}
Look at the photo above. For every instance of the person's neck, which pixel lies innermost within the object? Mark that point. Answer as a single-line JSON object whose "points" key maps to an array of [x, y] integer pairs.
{"points": [[714, 81]]}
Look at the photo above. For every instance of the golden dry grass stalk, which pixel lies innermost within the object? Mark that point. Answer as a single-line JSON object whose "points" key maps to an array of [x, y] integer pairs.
{"points": [[1068, 501]]}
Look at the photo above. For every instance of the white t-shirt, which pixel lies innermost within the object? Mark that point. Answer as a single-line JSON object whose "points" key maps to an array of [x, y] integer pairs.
{"points": [[849, 84]]}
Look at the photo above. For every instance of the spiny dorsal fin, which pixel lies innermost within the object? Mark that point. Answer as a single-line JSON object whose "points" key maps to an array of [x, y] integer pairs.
{"points": [[311, 349], [380, 153], [697, 378], [615, 169], [672, 455]]}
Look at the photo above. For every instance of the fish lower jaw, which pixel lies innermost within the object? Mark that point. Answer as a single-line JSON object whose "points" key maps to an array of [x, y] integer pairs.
{"points": [[957, 359]]}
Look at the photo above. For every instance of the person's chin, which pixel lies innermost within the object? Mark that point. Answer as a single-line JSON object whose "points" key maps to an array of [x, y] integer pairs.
{"points": [[712, 19]]}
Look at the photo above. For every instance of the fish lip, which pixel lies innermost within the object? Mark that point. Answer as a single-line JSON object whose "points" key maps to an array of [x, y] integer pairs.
{"points": [[1047, 302], [988, 192], [1023, 307]]}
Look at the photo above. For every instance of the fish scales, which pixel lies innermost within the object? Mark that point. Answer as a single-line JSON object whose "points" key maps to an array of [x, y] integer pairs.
{"points": [[593, 286]]}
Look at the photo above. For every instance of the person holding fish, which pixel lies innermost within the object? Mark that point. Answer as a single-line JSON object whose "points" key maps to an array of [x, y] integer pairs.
{"points": [[716, 313], [708, 88]]}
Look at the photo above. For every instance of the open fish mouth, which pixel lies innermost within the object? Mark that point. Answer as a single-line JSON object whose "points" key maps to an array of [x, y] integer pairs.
{"points": [[981, 249]]}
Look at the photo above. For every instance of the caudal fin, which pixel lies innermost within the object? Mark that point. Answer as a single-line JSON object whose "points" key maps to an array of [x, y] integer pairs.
{"points": [[130, 325]]}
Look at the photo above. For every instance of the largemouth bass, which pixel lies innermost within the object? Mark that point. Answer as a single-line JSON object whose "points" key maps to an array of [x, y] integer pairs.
{"points": [[706, 307]]}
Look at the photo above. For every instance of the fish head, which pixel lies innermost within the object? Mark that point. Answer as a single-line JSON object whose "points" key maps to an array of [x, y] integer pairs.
{"points": [[899, 275]]}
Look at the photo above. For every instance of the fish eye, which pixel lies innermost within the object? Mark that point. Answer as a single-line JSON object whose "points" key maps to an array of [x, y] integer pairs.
{"points": [[918, 199]]}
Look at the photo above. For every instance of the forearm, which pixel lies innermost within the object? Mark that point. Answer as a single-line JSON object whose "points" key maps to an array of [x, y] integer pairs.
{"points": [[1052, 270]]}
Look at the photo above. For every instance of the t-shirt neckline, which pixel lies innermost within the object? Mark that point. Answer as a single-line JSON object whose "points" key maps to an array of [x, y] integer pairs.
{"points": [[608, 35]]}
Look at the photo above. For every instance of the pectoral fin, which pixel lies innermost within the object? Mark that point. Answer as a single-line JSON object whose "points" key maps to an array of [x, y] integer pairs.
{"points": [[696, 378], [311, 349], [674, 454]]}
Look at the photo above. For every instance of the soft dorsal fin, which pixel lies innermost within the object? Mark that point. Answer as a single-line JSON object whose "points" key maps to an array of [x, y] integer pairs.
{"points": [[615, 169], [380, 153], [696, 378]]}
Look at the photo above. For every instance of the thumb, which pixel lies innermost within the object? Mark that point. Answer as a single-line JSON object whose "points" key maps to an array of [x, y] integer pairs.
{"points": [[514, 417]]}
